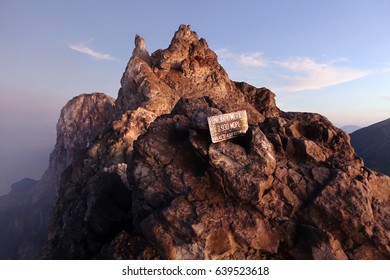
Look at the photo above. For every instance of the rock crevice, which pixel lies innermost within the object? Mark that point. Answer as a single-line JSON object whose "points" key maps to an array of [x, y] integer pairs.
{"points": [[148, 183]]}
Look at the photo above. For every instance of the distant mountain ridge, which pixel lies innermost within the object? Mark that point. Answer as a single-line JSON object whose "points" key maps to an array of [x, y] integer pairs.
{"points": [[350, 128], [372, 144], [22, 186]]}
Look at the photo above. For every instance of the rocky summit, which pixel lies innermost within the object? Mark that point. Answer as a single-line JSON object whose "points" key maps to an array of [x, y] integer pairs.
{"points": [[26, 211], [150, 184]]}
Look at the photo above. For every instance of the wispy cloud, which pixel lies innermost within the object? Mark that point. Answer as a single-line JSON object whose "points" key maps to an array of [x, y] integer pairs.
{"points": [[254, 59], [386, 68], [292, 74], [386, 97], [82, 48], [224, 53], [250, 59], [306, 73]]}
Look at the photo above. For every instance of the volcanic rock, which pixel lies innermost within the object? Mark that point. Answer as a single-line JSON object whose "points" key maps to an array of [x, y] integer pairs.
{"points": [[152, 185], [286, 189], [24, 218], [84, 118]]}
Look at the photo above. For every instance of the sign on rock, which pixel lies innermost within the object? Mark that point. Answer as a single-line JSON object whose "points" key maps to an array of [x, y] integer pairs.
{"points": [[227, 126]]}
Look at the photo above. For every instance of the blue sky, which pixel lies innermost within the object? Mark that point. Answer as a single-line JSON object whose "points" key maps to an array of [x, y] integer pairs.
{"points": [[331, 57]]}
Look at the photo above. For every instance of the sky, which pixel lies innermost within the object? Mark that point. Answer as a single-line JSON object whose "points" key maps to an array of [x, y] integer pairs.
{"points": [[330, 57]]}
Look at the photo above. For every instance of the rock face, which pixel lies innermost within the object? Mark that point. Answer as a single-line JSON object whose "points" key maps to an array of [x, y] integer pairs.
{"points": [[152, 185], [372, 144], [84, 118], [291, 188], [26, 210]]}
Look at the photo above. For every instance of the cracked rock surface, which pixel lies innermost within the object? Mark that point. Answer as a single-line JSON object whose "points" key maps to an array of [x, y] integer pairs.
{"points": [[152, 185]]}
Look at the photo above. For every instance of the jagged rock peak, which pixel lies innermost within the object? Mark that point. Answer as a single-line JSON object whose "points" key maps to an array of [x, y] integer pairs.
{"points": [[290, 188], [139, 43], [140, 49], [187, 68], [185, 44], [82, 119], [184, 32]]}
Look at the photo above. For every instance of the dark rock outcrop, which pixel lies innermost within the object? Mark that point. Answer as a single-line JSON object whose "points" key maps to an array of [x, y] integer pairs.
{"points": [[24, 219], [83, 119], [372, 144], [291, 187], [152, 185]]}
